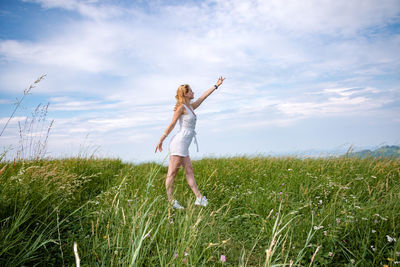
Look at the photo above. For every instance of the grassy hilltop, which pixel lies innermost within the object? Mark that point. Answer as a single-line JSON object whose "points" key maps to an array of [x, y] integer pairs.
{"points": [[262, 212]]}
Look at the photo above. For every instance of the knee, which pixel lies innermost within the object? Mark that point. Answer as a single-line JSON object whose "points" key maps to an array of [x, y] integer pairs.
{"points": [[189, 171], [172, 174]]}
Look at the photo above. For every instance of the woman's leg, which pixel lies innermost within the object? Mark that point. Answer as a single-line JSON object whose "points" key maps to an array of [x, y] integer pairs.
{"points": [[174, 163], [187, 164]]}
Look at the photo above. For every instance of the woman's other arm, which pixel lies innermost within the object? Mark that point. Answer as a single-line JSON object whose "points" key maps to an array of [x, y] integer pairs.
{"points": [[178, 112], [200, 100]]}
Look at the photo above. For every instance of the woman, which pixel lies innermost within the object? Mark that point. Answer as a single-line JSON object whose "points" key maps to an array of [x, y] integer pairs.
{"points": [[179, 144]]}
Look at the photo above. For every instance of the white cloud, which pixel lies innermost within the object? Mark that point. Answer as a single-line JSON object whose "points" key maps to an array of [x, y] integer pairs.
{"points": [[69, 104], [13, 121], [343, 105], [90, 8], [301, 17]]}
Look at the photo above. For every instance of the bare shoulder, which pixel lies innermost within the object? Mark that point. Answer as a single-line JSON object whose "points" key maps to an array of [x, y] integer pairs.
{"points": [[180, 110]]}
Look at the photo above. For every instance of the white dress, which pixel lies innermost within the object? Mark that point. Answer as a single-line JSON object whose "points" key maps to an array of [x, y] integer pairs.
{"points": [[179, 144]]}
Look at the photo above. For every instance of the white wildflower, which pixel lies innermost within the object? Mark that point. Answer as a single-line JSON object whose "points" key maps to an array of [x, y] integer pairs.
{"points": [[390, 239], [373, 231], [318, 227], [378, 215]]}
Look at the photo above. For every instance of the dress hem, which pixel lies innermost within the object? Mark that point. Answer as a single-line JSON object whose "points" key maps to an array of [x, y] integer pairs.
{"points": [[175, 154]]}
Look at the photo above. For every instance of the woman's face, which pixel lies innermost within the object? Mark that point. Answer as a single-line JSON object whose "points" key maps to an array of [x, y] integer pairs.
{"points": [[189, 93]]}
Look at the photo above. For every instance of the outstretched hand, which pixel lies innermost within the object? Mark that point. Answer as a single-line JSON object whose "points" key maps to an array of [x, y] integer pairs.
{"points": [[220, 81]]}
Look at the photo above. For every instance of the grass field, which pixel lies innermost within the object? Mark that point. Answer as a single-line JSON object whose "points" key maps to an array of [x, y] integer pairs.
{"points": [[262, 212]]}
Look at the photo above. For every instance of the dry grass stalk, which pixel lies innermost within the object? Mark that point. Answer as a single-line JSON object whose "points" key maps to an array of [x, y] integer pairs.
{"points": [[19, 101], [77, 259], [313, 256]]}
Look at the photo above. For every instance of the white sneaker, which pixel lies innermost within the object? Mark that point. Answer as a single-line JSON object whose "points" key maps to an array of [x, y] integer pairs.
{"points": [[201, 201], [176, 205]]}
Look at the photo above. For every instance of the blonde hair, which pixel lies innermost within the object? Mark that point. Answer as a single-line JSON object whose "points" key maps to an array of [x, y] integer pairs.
{"points": [[180, 95]]}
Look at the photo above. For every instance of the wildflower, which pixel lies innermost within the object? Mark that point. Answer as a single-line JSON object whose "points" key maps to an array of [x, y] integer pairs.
{"points": [[147, 235], [373, 231], [325, 233], [390, 259], [372, 247], [383, 218], [283, 184], [289, 170], [330, 254], [175, 255], [185, 253], [184, 260], [280, 193], [373, 176], [320, 202], [318, 227], [390, 239], [397, 253], [337, 220], [352, 261], [223, 258]]}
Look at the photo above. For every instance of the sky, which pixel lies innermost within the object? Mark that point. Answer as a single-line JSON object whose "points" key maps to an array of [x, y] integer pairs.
{"points": [[302, 77]]}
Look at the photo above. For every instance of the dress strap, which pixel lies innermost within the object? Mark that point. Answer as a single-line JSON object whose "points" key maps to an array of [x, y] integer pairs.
{"points": [[195, 141], [191, 111]]}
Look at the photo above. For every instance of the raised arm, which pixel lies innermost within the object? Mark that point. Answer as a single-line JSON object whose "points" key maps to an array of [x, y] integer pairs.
{"points": [[200, 100], [178, 112]]}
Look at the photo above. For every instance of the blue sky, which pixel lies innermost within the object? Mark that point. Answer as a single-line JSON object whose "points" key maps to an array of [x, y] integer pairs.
{"points": [[302, 77]]}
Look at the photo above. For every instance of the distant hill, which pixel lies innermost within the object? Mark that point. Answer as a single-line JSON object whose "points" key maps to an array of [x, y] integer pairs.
{"points": [[384, 151]]}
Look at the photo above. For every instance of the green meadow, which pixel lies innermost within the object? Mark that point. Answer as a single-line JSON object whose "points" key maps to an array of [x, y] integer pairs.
{"points": [[263, 211]]}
